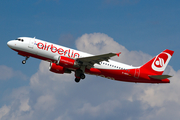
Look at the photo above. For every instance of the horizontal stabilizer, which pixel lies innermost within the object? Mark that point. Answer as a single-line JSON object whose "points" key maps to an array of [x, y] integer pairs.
{"points": [[160, 77]]}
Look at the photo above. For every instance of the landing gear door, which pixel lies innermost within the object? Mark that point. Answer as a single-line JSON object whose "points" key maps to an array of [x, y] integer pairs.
{"points": [[137, 73], [31, 43]]}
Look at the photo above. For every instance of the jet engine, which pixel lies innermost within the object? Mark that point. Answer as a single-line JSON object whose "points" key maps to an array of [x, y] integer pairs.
{"points": [[58, 69], [67, 62]]}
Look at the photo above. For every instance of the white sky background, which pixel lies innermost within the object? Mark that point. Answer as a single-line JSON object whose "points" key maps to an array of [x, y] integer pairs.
{"points": [[58, 97]]}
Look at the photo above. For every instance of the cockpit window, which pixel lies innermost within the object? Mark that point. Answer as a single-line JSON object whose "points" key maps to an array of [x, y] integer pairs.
{"points": [[20, 39]]}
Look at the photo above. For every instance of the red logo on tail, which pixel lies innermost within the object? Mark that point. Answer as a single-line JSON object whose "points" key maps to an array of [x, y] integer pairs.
{"points": [[161, 61]]}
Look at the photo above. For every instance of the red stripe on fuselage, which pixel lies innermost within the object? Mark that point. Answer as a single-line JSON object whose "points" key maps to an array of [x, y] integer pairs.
{"points": [[33, 55], [123, 75]]}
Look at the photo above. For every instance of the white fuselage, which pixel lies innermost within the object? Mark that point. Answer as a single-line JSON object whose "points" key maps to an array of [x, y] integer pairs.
{"points": [[53, 51]]}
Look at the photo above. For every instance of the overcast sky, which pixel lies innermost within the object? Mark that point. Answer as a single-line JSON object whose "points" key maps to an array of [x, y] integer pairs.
{"points": [[140, 29]]}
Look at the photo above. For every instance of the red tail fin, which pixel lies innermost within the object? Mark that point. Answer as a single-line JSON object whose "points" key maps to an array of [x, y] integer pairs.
{"points": [[157, 65]]}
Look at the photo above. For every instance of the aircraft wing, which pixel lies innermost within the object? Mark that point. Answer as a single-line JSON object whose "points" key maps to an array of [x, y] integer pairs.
{"points": [[90, 61]]}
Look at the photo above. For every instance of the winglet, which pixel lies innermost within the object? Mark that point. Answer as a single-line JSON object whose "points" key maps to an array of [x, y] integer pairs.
{"points": [[118, 54]]}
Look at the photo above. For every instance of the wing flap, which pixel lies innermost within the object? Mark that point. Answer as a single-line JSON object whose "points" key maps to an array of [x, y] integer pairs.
{"points": [[90, 61], [97, 58]]}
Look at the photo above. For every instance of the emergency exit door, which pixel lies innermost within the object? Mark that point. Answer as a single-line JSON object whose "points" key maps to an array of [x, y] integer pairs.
{"points": [[31, 43]]}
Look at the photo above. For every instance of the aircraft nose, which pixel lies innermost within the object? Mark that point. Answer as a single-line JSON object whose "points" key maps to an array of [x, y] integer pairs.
{"points": [[9, 44]]}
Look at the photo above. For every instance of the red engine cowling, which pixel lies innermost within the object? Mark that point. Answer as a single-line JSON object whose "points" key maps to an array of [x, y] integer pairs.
{"points": [[58, 69], [67, 62]]}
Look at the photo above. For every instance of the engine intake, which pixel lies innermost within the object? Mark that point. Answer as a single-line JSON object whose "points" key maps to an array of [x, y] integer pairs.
{"points": [[58, 69]]}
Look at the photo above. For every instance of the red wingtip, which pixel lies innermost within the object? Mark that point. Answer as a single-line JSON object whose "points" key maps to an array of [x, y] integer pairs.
{"points": [[118, 54]]}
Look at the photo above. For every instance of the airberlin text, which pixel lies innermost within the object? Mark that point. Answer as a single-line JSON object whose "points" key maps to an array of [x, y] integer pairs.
{"points": [[60, 51]]}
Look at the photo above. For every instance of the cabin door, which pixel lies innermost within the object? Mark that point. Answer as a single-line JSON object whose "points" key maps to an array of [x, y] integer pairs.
{"points": [[31, 43], [137, 73]]}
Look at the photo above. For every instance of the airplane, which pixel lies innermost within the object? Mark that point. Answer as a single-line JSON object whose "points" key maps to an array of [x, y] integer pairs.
{"points": [[66, 60]]}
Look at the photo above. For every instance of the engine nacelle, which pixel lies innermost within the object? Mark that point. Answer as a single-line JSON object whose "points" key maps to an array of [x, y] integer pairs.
{"points": [[58, 69], [67, 62]]}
